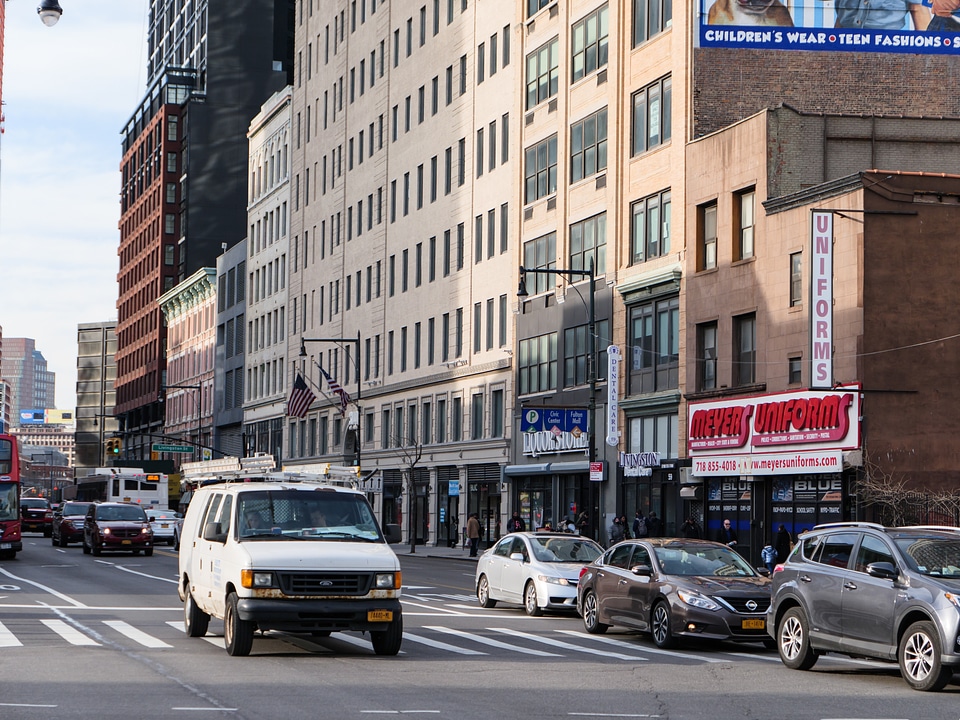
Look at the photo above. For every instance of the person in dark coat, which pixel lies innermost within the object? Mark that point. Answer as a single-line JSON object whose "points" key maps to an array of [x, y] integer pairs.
{"points": [[782, 543], [654, 525], [727, 535], [690, 529], [516, 523]]}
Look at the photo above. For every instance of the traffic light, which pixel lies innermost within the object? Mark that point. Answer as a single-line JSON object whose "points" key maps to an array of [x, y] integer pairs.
{"points": [[114, 445]]}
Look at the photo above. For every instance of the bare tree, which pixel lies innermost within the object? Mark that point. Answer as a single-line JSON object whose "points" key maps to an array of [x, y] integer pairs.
{"points": [[898, 502], [409, 456]]}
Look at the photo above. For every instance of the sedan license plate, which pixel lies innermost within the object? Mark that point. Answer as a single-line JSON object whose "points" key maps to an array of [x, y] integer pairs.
{"points": [[130, 542], [753, 624], [5, 546], [164, 525], [379, 615]]}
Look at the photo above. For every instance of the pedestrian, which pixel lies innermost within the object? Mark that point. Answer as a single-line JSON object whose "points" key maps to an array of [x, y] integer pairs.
{"points": [[690, 529], [625, 524], [473, 533], [769, 556], [654, 526], [783, 543], [583, 523], [569, 526], [616, 531], [639, 525], [727, 535], [516, 523]]}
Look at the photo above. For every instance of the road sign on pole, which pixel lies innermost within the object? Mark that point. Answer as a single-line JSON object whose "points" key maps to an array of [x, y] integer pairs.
{"points": [[160, 448]]}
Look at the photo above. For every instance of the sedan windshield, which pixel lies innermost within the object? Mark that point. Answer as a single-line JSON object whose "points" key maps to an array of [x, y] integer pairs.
{"points": [[297, 514], [705, 561], [565, 550], [932, 556]]}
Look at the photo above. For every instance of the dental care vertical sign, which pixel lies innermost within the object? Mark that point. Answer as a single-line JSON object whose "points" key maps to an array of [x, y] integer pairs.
{"points": [[613, 395], [821, 299]]}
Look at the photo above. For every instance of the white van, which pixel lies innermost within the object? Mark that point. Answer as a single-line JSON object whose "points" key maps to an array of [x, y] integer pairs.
{"points": [[273, 553]]}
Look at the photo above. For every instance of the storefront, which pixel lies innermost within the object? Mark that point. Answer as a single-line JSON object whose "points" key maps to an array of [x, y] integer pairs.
{"points": [[787, 458], [650, 485]]}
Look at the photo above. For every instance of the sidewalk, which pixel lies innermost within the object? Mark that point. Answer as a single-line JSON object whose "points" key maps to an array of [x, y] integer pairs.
{"points": [[446, 553]]}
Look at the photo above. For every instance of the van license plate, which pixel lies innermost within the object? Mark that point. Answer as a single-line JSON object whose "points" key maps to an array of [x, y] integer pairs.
{"points": [[753, 624], [379, 615]]}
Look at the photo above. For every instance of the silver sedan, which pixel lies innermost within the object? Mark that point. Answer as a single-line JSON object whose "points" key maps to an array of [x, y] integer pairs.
{"points": [[538, 570]]}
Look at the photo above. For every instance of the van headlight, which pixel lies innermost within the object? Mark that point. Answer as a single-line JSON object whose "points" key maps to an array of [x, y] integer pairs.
{"points": [[257, 579], [697, 600], [387, 581]]}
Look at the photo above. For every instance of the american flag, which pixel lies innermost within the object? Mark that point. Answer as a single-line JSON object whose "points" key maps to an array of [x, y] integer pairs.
{"points": [[301, 398], [338, 390]]}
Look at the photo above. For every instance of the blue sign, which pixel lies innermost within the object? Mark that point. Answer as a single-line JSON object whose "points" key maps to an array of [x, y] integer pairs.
{"points": [[31, 417], [570, 420]]}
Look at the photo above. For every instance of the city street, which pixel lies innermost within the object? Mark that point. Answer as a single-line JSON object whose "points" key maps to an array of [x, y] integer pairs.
{"points": [[102, 637]]}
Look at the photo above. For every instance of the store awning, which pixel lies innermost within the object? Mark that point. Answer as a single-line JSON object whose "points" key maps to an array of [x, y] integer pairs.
{"points": [[559, 468]]}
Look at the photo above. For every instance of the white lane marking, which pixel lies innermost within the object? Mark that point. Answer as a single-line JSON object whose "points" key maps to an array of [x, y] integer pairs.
{"points": [[204, 709], [653, 651], [95, 608], [28, 705], [177, 625], [768, 658], [432, 608], [146, 575], [7, 638], [611, 715], [566, 646], [491, 642], [215, 640], [441, 645], [70, 634], [135, 634], [65, 598], [400, 712]]}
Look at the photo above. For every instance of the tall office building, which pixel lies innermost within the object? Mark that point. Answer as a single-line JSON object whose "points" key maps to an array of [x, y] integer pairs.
{"points": [[184, 172], [96, 371], [24, 368]]}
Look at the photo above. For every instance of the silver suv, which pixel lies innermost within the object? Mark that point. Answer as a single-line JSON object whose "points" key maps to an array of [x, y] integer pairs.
{"points": [[865, 590]]}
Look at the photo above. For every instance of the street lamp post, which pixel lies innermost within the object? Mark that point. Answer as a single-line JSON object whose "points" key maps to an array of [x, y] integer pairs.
{"points": [[591, 341], [49, 12], [356, 363], [199, 389]]}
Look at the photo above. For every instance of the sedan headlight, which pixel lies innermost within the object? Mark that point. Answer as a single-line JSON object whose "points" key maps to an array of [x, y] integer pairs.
{"points": [[697, 600], [387, 581], [257, 579], [554, 580]]}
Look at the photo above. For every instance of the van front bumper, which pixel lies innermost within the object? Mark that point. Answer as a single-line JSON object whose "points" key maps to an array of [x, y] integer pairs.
{"points": [[316, 615]]}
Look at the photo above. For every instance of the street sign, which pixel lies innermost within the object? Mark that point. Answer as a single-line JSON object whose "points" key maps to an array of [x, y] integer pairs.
{"points": [[159, 448]]}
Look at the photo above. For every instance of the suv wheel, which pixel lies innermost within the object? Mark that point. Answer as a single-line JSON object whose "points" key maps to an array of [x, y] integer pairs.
{"points": [[793, 641], [919, 656], [591, 615]]}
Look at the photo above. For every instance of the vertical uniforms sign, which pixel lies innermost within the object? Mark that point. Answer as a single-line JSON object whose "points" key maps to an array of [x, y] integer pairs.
{"points": [[821, 299]]}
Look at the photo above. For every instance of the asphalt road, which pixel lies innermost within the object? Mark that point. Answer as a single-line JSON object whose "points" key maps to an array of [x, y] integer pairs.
{"points": [[102, 638]]}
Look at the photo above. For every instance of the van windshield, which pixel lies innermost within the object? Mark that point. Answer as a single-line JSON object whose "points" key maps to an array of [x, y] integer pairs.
{"points": [[324, 515]]}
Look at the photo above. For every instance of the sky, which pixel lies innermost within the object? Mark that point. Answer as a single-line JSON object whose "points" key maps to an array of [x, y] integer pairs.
{"points": [[68, 92]]}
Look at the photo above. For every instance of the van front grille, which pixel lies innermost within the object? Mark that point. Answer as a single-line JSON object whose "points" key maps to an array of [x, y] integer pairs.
{"points": [[325, 583]]}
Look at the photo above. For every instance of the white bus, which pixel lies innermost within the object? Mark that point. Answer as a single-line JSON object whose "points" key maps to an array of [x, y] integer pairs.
{"points": [[133, 485]]}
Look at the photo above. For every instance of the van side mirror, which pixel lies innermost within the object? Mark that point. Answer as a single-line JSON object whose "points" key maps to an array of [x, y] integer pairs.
{"points": [[213, 533], [392, 533]]}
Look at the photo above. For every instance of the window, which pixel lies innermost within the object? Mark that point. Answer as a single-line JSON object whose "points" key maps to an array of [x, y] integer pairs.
{"points": [[590, 43], [654, 433], [655, 337], [707, 236], [588, 146], [575, 343], [480, 152], [796, 279], [537, 366], [426, 420], [543, 76], [743, 207], [652, 115], [441, 436], [745, 349], [477, 330], [476, 416], [456, 420], [650, 17], [411, 424], [707, 356], [534, 6], [503, 321], [650, 227], [540, 168], [490, 323], [794, 371], [385, 429], [588, 241], [480, 63], [540, 254]]}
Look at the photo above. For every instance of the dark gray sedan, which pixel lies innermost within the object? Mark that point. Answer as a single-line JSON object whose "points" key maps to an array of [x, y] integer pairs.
{"points": [[675, 588]]}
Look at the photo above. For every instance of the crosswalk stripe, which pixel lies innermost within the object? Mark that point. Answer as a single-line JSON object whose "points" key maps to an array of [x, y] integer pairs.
{"points": [[441, 645], [177, 625], [70, 634], [490, 641], [654, 651], [566, 646], [136, 635], [7, 638]]}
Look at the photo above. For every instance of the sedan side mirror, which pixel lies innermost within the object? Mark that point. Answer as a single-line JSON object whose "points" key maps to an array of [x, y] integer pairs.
{"points": [[643, 570], [516, 556], [885, 570]]}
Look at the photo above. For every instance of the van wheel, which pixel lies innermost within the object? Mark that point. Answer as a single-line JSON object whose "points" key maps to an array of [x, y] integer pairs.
{"points": [[793, 641], [919, 656], [195, 620], [483, 593], [237, 633], [387, 642]]}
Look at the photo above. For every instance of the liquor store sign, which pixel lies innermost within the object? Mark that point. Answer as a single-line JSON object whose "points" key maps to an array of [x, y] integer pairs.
{"points": [[554, 430]]}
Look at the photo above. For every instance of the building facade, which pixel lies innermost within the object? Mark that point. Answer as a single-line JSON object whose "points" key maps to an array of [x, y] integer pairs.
{"points": [[96, 373], [24, 368]]}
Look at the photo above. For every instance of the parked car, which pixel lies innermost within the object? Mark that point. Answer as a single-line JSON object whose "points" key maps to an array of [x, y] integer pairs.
{"points": [[870, 591], [537, 569], [117, 526], [674, 588], [164, 523], [36, 515], [68, 523]]}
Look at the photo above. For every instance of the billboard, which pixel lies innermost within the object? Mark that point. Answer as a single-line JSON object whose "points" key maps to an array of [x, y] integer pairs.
{"points": [[930, 27], [32, 417]]}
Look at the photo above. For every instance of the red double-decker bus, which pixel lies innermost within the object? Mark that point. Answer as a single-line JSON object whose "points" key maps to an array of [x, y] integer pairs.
{"points": [[10, 540]]}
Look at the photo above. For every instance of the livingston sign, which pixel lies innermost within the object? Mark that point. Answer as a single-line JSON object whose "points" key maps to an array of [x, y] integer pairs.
{"points": [[891, 27]]}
